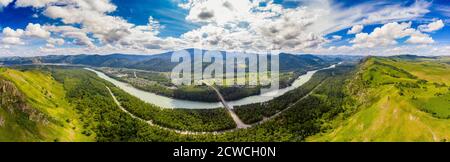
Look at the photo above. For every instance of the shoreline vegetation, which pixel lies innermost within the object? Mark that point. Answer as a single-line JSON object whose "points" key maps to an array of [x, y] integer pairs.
{"points": [[159, 83]]}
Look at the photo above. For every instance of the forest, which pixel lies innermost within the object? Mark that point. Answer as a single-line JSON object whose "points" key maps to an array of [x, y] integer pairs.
{"points": [[198, 120], [103, 120]]}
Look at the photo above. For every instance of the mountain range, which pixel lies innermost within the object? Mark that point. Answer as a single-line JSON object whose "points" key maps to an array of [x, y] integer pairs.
{"points": [[162, 62]]}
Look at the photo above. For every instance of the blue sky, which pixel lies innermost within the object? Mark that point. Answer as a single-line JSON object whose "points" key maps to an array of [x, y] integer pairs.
{"points": [[41, 27]]}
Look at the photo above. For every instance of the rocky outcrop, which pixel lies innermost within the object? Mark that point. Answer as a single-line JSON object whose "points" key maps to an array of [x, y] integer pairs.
{"points": [[2, 121], [14, 102]]}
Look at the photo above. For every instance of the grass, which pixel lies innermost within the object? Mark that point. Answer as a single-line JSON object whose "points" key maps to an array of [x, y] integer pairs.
{"points": [[400, 101], [47, 96]]}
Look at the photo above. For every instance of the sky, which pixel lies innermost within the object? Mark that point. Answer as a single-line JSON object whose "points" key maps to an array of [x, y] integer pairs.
{"points": [[329, 27]]}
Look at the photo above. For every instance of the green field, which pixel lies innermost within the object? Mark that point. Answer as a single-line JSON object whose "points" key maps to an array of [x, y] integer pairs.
{"points": [[395, 100]]}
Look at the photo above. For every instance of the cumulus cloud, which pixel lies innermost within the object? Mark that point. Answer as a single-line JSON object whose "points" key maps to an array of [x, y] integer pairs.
{"points": [[108, 29], [422, 50], [15, 37], [245, 24], [12, 41], [86, 21], [356, 29], [225, 25], [52, 42], [431, 27], [219, 11], [12, 37], [8, 32], [77, 35], [4, 3], [388, 34], [35, 30], [33, 3], [419, 38]]}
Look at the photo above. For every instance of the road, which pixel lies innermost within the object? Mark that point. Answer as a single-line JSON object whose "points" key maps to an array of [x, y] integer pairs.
{"points": [[236, 119], [155, 125], [233, 115]]}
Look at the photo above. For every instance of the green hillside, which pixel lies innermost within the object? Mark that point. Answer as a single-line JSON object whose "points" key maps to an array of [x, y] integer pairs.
{"points": [[34, 108], [394, 99]]}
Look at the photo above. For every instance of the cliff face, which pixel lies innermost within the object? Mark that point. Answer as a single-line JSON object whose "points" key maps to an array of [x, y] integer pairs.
{"points": [[14, 103], [10, 97]]}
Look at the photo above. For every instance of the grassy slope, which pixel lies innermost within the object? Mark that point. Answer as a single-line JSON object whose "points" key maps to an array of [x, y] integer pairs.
{"points": [[47, 96], [393, 112]]}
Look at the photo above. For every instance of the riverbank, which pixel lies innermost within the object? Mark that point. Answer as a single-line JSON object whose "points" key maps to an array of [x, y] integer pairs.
{"points": [[166, 102]]}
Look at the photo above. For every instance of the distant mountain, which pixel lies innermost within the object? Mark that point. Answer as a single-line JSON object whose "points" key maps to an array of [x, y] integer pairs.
{"points": [[339, 58], [290, 62], [160, 62], [413, 57]]}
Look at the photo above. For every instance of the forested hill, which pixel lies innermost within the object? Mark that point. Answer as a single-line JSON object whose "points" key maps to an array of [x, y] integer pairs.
{"points": [[160, 62]]}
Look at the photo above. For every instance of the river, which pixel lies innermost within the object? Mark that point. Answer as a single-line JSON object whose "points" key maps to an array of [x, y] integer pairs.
{"points": [[167, 102]]}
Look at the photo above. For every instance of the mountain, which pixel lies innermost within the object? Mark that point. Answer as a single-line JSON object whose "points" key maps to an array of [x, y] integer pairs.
{"points": [[33, 107], [158, 62], [413, 57], [290, 62], [392, 99], [339, 58]]}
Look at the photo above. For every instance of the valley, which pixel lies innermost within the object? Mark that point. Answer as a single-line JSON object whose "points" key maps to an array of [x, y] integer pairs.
{"points": [[376, 99], [151, 73]]}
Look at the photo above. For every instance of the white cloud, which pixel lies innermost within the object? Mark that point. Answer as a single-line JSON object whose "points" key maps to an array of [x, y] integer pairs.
{"points": [[12, 41], [415, 49], [12, 37], [4, 3], [33, 3], [336, 38], [388, 35], [220, 11], [56, 41], [334, 18], [5, 47], [397, 12], [226, 25], [93, 18], [108, 30], [8, 32], [243, 24], [79, 36], [420, 38], [238, 24], [35, 30], [431, 27], [356, 29]]}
